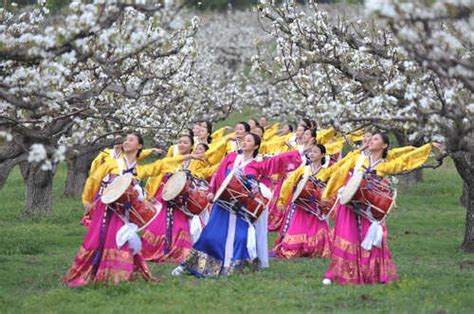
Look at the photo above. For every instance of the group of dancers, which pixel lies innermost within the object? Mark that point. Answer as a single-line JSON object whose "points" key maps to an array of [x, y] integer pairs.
{"points": [[239, 184]]}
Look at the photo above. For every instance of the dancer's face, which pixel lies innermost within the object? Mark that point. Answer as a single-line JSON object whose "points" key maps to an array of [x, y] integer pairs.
{"points": [[184, 145], [240, 131], [131, 144], [377, 144]]}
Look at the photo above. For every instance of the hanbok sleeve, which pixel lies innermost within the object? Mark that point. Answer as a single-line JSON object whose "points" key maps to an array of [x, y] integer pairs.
{"points": [[407, 161], [338, 177], [93, 181], [99, 160], [281, 163], [144, 154], [288, 186], [165, 165]]}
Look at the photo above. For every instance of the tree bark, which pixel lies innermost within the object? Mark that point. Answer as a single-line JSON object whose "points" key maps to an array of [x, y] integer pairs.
{"points": [[468, 242], [77, 172], [464, 163], [38, 189], [464, 196]]}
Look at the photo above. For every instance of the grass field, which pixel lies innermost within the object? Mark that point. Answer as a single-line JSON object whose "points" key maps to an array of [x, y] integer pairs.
{"points": [[425, 232]]}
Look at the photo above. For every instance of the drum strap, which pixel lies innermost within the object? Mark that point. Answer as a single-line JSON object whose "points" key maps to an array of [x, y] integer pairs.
{"points": [[360, 162], [116, 155], [235, 146], [359, 229], [100, 249], [372, 164], [288, 220], [186, 164], [315, 171], [121, 165], [169, 228]]}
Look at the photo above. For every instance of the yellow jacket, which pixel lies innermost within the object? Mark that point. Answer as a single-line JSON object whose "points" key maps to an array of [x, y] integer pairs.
{"points": [[108, 154], [335, 146], [111, 166], [277, 144], [325, 135], [404, 159], [198, 168], [271, 131], [291, 182], [216, 135]]}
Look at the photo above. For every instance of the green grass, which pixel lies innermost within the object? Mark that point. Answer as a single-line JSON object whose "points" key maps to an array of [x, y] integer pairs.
{"points": [[425, 232]]}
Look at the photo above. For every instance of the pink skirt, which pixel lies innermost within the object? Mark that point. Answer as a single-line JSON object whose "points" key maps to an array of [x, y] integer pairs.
{"points": [[350, 263], [168, 237], [99, 259], [303, 235]]}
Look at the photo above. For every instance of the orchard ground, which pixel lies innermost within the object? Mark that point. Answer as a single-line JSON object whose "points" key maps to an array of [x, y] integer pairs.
{"points": [[425, 232]]}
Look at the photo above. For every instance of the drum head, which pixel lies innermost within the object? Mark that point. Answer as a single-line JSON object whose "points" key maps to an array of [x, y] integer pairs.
{"points": [[351, 187], [174, 186], [223, 186], [300, 187], [116, 188]]}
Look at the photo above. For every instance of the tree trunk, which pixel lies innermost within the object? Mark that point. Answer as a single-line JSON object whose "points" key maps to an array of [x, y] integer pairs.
{"points": [[77, 172], [464, 163], [7, 166], [411, 178], [468, 243], [463, 198], [38, 189]]}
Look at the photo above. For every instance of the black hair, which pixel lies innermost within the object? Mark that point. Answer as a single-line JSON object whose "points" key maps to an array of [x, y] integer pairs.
{"points": [[303, 126], [190, 138], [261, 128], [258, 142], [208, 125], [140, 141], [322, 148], [307, 122], [246, 126], [209, 130], [314, 134], [385, 140], [290, 127], [206, 147], [190, 131], [255, 120]]}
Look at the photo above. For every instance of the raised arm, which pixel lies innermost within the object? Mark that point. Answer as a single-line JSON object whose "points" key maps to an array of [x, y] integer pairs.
{"points": [[281, 163]]}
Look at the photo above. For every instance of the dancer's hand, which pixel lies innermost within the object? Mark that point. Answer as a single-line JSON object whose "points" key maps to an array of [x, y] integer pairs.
{"points": [[157, 151], [201, 157], [210, 197], [87, 208], [439, 147]]}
